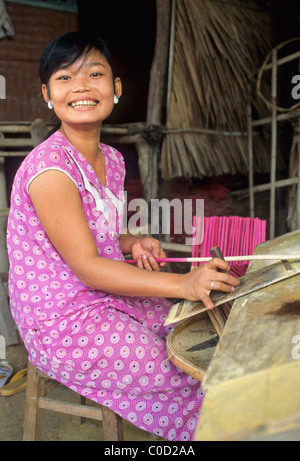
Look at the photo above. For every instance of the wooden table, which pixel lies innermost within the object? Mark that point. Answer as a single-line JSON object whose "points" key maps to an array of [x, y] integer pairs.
{"points": [[252, 384]]}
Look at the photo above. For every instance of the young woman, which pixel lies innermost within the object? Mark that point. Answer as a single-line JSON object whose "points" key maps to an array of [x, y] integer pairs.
{"points": [[87, 318]]}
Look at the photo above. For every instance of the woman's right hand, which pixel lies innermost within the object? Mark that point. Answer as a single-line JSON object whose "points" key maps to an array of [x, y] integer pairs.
{"points": [[197, 284]]}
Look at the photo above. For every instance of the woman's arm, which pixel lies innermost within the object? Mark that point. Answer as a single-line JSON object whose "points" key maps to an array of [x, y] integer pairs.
{"points": [[58, 206]]}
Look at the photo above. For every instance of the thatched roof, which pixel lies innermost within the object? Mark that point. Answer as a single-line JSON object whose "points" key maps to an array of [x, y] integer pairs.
{"points": [[216, 49]]}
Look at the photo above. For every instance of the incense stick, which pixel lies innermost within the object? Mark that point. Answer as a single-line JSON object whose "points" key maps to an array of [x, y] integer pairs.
{"points": [[227, 258]]}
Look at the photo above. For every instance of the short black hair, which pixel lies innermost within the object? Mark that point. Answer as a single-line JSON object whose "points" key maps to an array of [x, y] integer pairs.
{"points": [[66, 49]]}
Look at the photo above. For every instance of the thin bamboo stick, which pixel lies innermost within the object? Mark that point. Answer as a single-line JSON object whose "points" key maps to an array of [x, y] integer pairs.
{"points": [[227, 308], [267, 186], [273, 145], [250, 154], [216, 321], [279, 257]]}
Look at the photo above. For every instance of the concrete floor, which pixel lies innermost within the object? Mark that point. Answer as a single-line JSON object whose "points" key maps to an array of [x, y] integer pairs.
{"points": [[56, 426]]}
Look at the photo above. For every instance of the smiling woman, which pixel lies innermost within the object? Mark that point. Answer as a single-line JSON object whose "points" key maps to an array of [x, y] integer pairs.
{"points": [[88, 319], [88, 86], [83, 82]]}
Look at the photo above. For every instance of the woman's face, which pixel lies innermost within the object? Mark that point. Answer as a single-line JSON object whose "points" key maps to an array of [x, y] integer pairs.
{"points": [[83, 93]]}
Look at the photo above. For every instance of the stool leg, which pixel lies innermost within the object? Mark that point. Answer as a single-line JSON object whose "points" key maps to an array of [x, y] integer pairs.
{"points": [[77, 398], [112, 425], [35, 388]]}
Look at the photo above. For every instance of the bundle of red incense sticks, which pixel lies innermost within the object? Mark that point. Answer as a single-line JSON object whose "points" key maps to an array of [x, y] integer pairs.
{"points": [[234, 236]]}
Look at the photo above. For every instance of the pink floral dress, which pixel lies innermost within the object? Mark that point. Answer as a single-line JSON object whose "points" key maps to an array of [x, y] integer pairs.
{"points": [[108, 348]]}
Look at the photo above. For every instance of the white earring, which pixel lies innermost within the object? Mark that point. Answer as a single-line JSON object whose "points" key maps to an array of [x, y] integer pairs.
{"points": [[50, 104], [116, 99]]}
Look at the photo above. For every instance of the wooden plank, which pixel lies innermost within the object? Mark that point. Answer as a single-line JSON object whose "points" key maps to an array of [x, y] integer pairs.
{"points": [[14, 154], [252, 383], [17, 127], [16, 142], [69, 408]]}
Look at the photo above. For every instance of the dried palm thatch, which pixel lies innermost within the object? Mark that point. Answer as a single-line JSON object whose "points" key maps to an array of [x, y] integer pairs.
{"points": [[216, 49]]}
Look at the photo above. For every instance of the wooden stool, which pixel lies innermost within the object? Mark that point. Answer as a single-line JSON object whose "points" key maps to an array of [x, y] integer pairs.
{"points": [[39, 385]]}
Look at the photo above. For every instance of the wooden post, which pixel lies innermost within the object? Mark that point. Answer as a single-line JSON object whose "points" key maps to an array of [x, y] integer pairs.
{"points": [[273, 145], [159, 64], [38, 131], [156, 94]]}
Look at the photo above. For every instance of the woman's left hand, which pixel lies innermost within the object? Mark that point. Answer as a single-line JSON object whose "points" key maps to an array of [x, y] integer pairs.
{"points": [[146, 250]]}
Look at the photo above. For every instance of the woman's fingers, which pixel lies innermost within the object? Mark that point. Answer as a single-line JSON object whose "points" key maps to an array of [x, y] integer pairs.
{"points": [[217, 263], [218, 286], [221, 281], [206, 278], [149, 263], [207, 301], [222, 286]]}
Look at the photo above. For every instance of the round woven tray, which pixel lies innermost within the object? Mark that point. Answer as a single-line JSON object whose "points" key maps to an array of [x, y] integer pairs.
{"points": [[189, 333]]}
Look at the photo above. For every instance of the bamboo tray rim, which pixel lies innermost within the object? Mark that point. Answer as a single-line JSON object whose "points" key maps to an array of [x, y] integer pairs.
{"points": [[176, 357]]}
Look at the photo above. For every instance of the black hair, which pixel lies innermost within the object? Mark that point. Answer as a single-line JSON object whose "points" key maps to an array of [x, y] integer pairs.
{"points": [[66, 49]]}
